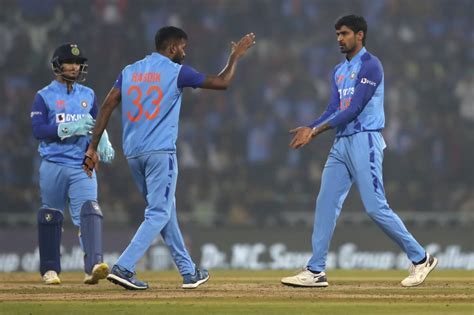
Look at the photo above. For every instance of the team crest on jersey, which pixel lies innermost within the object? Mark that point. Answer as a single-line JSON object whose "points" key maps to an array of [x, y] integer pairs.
{"points": [[60, 118], [84, 104], [353, 75]]}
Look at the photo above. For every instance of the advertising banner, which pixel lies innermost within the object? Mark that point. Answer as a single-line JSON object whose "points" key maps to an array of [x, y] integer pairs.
{"points": [[353, 247]]}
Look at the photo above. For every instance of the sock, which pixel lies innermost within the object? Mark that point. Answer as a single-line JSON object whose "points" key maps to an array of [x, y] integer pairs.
{"points": [[313, 271], [420, 262]]}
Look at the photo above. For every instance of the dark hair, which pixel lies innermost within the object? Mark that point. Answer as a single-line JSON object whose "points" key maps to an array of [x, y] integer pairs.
{"points": [[166, 35], [355, 22]]}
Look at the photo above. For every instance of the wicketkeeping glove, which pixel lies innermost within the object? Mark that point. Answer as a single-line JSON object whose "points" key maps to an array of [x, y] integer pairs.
{"points": [[105, 150], [76, 128]]}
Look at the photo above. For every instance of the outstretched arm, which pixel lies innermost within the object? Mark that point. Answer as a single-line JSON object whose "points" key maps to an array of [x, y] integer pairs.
{"points": [[91, 158], [223, 79]]}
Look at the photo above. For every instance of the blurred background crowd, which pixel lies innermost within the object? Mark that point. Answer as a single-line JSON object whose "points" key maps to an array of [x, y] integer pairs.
{"points": [[236, 168]]}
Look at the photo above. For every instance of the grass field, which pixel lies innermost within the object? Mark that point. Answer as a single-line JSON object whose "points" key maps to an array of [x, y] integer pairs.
{"points": [[243, 292]]}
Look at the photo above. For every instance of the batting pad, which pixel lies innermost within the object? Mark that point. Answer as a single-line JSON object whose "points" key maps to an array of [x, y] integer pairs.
{"points": [[50, 222]]}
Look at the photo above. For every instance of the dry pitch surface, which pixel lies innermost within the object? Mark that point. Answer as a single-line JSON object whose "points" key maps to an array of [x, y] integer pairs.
{"points": [[243, 292]]}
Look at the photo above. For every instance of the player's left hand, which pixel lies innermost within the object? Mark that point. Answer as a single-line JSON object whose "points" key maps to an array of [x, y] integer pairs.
{"points": [[302, 137], [90, 162]]}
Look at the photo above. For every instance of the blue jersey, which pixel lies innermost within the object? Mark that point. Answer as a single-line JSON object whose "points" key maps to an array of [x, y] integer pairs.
{"points": [[356, 103], [151, 91], [52, 106]]}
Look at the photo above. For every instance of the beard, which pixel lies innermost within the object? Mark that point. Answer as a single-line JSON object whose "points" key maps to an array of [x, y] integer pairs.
{"points": [[70, 77], [347, 49], [177, 59]]}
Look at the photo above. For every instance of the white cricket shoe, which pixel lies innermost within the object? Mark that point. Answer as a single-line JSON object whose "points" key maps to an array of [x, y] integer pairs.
{"points": [[307, 278], [99, 272], [418, 273], [51, 277]]}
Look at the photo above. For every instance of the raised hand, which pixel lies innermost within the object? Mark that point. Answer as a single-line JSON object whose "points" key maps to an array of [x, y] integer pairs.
{"points": [[239, 49]]}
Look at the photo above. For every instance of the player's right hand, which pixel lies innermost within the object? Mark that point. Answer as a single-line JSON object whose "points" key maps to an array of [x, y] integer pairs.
{"points": [[239, 49], [81, 127], [90, 162], [302, 136]]}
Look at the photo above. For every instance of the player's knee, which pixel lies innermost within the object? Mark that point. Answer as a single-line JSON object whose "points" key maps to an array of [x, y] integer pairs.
{"points": [[377, 211], [324, 203], [372, 212], [91, 208], [50, 217], [157, 215], [376, 207]]}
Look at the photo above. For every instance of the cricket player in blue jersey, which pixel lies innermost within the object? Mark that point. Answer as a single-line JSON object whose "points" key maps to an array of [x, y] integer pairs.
{"points": [[356, 112], [62, 118], [150, 91]]}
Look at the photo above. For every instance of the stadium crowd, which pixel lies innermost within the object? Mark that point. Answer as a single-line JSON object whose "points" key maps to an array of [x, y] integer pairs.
{"points": [[235, 164]]}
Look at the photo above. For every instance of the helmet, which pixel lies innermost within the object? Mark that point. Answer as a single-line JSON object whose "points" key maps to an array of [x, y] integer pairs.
{"points": [[69, 53]]}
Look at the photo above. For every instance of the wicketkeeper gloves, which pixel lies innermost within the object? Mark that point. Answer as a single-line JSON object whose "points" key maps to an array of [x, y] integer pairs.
{"points": [[76, 128]]}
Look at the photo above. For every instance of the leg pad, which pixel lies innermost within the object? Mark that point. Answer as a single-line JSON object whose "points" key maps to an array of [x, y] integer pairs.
{"points": [[91, 234], [50, 223]]}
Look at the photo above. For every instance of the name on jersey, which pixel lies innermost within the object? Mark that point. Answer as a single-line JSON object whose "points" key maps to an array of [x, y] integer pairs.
{"points": [[63, 117], [146, 77], [33, 114]]}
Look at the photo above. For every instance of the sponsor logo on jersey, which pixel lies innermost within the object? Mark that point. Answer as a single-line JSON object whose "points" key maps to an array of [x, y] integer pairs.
{"points": [[353, 75], [367, 81], [345, 92], [33, 114], [340, 78], [59, 118], [62, 117], [84, 104]]}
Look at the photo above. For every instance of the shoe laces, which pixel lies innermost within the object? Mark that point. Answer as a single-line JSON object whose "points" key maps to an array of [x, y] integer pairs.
{"points": [[312, 273], [307, 273], [127, 273]]}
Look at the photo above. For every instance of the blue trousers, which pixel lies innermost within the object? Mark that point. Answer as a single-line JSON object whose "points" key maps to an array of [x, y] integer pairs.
{"points": [[356, 159], [60, 184], [155, 175]]}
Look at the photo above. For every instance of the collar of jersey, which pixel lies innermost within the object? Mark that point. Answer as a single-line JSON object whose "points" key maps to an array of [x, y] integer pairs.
{"points": [[61, 86], [157, 54], [357, 57]]}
